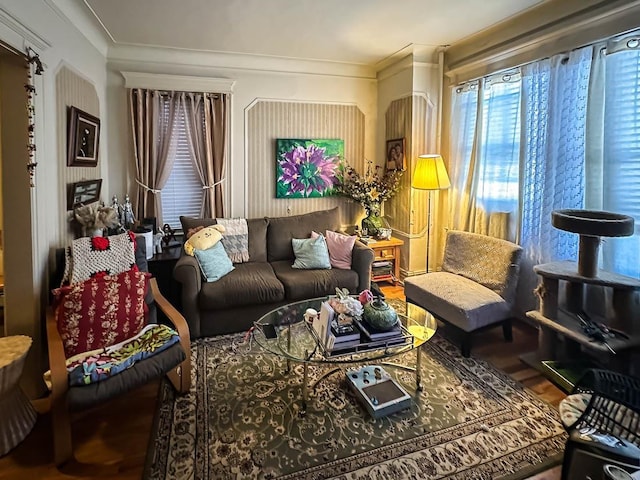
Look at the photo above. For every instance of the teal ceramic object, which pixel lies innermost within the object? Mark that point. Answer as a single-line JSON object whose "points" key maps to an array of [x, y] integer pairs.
{"points": [[380, 315]]}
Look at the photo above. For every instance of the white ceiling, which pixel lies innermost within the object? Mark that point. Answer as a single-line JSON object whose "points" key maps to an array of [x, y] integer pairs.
{"points": [[352, 31]]}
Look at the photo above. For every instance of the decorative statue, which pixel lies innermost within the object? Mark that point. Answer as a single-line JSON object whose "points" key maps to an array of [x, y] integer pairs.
{"points": [[128, 218], [117, 209], [157, 242]]}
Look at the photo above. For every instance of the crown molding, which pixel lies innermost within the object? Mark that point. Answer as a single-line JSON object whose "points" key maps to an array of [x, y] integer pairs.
{"points": [[188, 83], [128, 54], [19, 35], [79, 16], [545, 30]]}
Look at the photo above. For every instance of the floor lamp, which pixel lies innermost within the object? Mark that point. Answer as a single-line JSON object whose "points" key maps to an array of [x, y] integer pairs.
{"points": [[430, 174]]}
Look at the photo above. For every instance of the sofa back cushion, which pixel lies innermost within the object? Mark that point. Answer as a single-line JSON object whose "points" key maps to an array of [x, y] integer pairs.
{"points": [[282, 229], [489, 261], [257, 234]]}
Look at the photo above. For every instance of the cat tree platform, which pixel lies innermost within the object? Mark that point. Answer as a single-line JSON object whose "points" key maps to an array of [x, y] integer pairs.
{"points": [[562, 292]]}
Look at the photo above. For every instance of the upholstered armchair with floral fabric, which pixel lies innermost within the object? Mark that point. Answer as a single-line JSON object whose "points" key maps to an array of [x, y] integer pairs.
{"points": [[476, 287]]}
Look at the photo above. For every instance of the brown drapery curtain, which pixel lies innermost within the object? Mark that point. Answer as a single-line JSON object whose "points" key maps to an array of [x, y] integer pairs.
{"points": [[152, 127], [206, 121]]}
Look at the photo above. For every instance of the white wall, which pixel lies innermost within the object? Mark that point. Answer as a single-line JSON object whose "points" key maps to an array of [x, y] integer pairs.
{"points": [[281, 83], [39, 24]]}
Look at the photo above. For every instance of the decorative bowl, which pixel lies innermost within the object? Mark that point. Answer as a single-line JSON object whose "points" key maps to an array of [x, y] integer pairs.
{"points": [[380, 315], [384, 233]]}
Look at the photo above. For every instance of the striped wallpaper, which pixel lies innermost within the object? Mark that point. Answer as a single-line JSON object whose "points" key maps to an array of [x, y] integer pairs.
{"points": [[410, 117], [267, 121], [73, 90]]}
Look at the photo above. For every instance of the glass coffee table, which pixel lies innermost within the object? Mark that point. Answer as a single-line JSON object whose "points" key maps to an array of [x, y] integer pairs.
{"points": [[295, 341]]}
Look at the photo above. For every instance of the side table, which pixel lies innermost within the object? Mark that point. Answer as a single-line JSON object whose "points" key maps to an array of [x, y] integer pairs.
{"points": [[161, 267], [386, 264], [17, 415]]}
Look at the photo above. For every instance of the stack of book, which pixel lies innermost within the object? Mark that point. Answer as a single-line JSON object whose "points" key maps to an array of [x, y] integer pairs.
{"points": [[343, 337], [382, 269], [332, 336], [394, 336]]}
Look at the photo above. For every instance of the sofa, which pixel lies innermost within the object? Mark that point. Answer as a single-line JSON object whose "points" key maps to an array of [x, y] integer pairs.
{"points": [[234, 302], [476, 287]]}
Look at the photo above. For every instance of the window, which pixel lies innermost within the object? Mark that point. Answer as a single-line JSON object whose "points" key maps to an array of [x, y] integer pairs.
{"points": [[500, 143], [579, 118], [621, 152], [182, 194]]}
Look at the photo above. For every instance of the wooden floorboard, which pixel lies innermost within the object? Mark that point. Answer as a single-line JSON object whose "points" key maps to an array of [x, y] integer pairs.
{"points": [[118, 432]]}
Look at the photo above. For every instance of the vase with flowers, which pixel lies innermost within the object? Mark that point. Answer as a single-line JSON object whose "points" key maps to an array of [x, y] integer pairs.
{"points": [[370, 191]]}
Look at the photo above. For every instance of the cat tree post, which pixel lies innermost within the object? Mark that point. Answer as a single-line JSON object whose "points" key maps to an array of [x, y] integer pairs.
{"points": [[564, 318]]}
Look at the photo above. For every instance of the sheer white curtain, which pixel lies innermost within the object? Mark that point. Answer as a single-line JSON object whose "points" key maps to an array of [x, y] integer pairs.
{"points": [[613, 145], [554, 99], [464, 111], [484, 150]]}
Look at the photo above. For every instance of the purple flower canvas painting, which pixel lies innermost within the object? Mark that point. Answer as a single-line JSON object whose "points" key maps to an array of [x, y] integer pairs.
{"points": [[307, 168]]}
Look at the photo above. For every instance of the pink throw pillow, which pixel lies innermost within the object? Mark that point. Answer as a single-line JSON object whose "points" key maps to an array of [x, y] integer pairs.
{"points": [[101, 311], [340, 248]]}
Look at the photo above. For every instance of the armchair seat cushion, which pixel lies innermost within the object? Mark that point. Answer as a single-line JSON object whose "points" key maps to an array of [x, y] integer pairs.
{"points": [[299, 284], [461, 301], [156, 366], [248, 284]]}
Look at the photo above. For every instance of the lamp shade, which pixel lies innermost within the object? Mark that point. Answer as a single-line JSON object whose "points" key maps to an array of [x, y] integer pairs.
{"points": [[430, 173]]}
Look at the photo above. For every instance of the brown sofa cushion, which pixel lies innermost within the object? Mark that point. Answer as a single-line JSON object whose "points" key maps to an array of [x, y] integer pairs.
{"points": [[248, 284], [300, 284], [257, 234], [282, 229]]}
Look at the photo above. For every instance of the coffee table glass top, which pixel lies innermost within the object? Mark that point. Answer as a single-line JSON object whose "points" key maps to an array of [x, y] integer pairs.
{"points": [[295, 340]]}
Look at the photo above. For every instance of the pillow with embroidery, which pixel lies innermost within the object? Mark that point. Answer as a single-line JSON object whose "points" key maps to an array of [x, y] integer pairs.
{"points": [[91, 256], [101, 311]]}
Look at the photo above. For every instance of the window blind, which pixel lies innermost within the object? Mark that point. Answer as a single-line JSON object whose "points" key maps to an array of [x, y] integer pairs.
{"points": [[621, 182], [182, 194], [500, 144]]}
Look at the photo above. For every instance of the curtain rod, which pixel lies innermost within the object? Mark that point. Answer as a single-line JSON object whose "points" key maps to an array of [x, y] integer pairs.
{"points": [[169, 92], [630, 44]]}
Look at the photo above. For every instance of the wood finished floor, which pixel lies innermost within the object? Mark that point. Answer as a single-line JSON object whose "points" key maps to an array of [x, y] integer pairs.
{"points": [[118, 432]]}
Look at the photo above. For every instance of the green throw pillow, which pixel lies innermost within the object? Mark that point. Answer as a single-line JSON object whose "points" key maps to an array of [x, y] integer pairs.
{"points": [[311, 253], [214, 262]]}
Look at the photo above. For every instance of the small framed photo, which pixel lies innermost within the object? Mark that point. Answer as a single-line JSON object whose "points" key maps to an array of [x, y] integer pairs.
{"points": [[395, 154], [83, 193], [83, 135]]}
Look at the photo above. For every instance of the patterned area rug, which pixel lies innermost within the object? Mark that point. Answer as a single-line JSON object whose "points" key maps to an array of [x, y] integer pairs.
{"points": [[241, 420]]}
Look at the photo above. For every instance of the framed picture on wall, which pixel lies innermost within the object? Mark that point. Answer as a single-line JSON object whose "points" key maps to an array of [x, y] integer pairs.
{"points": [[83, 135], [83, 193], [307, 168], [395, 154]]}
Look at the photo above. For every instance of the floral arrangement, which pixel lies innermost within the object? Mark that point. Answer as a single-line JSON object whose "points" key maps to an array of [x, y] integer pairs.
{"points": [[349, 305], [96, 217], [372, 189]]}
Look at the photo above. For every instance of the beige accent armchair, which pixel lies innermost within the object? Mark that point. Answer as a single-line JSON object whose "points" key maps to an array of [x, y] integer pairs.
{"points": [[476, 287]]}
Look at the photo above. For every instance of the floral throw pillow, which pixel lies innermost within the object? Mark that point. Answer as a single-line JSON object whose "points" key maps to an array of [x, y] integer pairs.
{"points": [[101, 311]]}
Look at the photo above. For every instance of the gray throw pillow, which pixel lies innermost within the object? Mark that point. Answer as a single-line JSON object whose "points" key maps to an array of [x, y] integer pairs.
{"points": [[311, 253]]}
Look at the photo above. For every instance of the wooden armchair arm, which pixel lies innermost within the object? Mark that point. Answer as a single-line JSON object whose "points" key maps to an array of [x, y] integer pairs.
{"points": [[181, 378], [57, 359], [61, 424]]}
